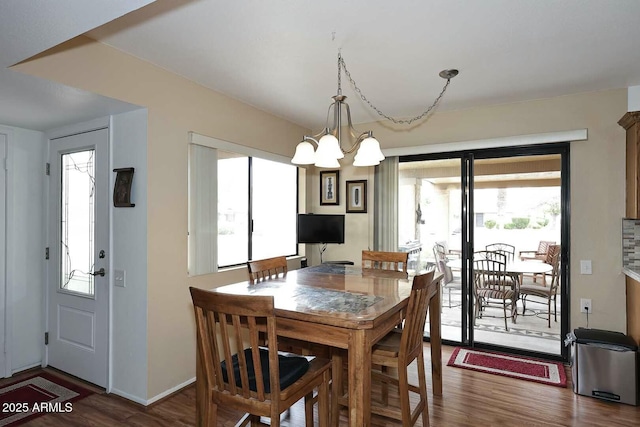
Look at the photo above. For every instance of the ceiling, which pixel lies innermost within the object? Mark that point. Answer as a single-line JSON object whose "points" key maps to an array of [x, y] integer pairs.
{"points": [[281, 56]]}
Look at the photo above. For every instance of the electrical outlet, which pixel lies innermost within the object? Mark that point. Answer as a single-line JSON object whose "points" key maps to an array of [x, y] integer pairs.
{"points": [[118, 278], [585, 305]]}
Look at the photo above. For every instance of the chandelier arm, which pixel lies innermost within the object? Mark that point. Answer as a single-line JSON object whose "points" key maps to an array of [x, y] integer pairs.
{"points": [[377, 110]]}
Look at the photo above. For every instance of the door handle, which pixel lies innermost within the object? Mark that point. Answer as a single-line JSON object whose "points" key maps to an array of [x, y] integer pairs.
{"points": [[100, 272]]}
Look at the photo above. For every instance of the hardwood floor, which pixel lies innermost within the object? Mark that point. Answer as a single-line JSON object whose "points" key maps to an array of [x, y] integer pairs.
{"points": [[469, 399]]}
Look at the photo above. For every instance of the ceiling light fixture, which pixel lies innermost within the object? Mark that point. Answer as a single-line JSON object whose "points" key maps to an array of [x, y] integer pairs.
{"points": [[330, 139]]}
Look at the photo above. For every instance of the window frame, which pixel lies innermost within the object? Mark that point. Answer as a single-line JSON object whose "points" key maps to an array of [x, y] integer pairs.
{"points": [[197, 142]]}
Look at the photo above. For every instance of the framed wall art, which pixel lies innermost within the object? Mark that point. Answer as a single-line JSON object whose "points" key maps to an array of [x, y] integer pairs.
{"points": [[329, 187], [122, 188], [357, 196]]}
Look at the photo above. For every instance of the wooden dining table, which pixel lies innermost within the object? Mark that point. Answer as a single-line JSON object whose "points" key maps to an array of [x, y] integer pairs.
{"points": [[344, 307]]}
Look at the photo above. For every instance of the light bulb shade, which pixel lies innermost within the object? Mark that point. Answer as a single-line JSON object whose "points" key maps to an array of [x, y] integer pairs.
{"points": [[369, 153], [332, 145], [305, 154]]}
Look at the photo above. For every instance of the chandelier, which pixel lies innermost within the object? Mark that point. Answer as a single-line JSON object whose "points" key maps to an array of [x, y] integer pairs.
{"points": [[329, 145]]}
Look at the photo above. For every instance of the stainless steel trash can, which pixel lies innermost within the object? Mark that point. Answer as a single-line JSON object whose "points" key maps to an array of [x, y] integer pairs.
{"points": [[604, 365]]}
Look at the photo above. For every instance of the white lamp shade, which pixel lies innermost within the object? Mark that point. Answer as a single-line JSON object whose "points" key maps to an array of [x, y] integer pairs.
{"points": [[369, 153], [305, 154], [332, 145]]}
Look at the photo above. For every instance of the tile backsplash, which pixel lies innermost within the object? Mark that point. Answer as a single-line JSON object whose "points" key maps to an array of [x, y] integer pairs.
{"points": [[631, 243]]}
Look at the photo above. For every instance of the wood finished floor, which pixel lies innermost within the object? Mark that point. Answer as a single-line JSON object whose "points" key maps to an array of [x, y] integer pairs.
{"points": [[469, 399]]}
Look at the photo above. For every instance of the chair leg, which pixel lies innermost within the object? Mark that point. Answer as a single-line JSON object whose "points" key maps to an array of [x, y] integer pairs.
{"points": [[449, 297], [524, 304], [555, 314], [308, 409], [422, 384], [337, 386], [403, 391], [504, 308], [384, 392], [323, 401]]}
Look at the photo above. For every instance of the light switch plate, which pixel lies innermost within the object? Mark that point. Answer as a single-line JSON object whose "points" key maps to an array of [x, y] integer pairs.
{"points": [[585, 266], [118, 278]]}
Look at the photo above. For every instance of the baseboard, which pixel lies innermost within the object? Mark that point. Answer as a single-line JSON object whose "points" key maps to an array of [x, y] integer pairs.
{"points": [[171, 391], [24, 368], [128, 396]]}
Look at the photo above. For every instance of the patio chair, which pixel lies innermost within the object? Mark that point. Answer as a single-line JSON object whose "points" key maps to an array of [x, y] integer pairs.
{"points": [[540, 254], [547, 292], [492, 286], [239, 374], [450, 282], [505, 248]]}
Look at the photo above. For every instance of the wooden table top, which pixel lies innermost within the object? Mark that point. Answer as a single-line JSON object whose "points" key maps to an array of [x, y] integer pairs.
{"points": [[338, 295]]}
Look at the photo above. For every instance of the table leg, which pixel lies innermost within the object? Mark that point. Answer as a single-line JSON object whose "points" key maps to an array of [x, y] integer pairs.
{"points": [[359, 379], [436, 343]]}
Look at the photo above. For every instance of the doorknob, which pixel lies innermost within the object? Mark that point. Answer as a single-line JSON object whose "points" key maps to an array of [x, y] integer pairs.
{"points": [[100, 272]]}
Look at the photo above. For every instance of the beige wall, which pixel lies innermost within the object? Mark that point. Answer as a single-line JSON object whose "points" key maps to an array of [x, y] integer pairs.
{"points": [[177, 106], [597, 184]]}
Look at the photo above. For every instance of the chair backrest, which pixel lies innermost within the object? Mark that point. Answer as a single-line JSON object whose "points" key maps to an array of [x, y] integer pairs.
{"points": [[490, 272], [552, 250], [396, 261], [424, 288], [505, 248], [543, 247], [224, 323], [440, 255], [265, 269], [553, 258]]}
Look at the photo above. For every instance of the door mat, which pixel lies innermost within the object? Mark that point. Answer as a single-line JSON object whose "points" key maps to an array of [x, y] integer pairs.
{"points": [[524, 368], [40, 394]]}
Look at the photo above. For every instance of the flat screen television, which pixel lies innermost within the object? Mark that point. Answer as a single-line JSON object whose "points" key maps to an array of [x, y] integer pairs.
{"points": [[320, 228]]}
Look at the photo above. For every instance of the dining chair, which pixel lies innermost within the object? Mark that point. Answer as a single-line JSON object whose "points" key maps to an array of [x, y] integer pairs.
{"points": [[264, 269], [393, 354], [450, 281], [270, 268], [241, 375], [547, 292], [395, 261], [505, 248], [492, 286]]}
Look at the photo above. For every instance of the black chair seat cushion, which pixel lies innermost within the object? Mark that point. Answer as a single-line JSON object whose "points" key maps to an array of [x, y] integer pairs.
{"points": [[291, 369]]}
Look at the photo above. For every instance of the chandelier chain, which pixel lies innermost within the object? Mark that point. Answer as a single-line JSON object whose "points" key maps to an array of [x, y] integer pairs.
{"points": [[343, 65]]}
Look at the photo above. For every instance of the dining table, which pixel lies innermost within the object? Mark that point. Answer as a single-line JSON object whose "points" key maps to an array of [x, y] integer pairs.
{"points": [[344, 307]]}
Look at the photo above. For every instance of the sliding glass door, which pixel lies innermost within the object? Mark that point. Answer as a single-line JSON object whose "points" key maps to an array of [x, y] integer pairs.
{"points": [[515, 199]]}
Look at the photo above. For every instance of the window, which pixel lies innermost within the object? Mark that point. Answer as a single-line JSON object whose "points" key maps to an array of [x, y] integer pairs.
{"points": [[242, 205]]}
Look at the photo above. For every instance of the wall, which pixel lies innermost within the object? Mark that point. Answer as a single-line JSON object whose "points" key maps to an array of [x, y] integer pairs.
{"points": [[25, 245], [129, 253], [597, 173], [175, 107]]}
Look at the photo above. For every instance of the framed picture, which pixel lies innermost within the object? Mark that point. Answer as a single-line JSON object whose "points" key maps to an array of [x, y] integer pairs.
{"points": [[122, 188], [329, 187], [357, 196]]}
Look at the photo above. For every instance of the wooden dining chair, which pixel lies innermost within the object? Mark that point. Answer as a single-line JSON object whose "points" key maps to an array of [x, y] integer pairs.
{"points": [[241, 375], [395, 261], [264, 269], [394, 353]]}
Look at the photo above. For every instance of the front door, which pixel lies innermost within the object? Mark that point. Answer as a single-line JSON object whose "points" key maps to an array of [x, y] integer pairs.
{"points": [[78, 288]]}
